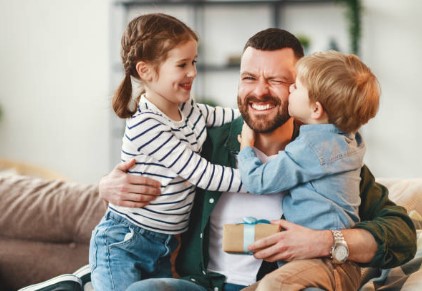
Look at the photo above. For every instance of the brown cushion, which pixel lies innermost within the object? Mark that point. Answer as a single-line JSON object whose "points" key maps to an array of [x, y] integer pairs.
{"points": [[24, 262], [48, 210]]}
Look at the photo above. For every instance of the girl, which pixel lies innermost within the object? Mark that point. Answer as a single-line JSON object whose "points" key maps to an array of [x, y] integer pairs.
{"points": [[164, 133]]}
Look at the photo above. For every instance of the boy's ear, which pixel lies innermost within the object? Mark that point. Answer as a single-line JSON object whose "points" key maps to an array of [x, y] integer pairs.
{"points": [[144, 71], [318, 111]]}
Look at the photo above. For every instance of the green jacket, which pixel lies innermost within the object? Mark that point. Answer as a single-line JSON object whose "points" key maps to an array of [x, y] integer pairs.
{"points": [[390, 225]]}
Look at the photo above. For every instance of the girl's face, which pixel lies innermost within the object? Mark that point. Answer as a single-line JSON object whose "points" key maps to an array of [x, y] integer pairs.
{"points": [[173, 82], [300, 107]]}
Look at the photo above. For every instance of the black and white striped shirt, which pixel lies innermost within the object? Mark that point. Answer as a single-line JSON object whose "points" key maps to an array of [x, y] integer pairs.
{"points": [[168, 151]]}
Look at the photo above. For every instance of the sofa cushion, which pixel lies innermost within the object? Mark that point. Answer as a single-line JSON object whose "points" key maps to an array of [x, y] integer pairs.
{"points": [[24, 262], [405, 192], [28, 204]]}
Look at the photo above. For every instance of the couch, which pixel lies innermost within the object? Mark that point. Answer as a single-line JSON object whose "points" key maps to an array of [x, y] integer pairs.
{"points": [[45, 227]]}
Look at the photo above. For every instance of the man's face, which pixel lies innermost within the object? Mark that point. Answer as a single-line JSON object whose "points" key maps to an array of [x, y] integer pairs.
{"points": [[265, 77]]}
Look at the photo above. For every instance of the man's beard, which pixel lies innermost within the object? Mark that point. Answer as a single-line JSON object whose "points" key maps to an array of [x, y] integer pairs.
{"points": [[262, 123]]}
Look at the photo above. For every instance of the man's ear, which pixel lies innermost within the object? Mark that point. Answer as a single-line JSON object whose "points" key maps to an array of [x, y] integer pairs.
{"points": [[318, 111], [145, 71]]}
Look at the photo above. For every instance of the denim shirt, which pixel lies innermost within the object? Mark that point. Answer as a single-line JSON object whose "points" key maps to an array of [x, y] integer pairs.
{"points": [[388, 223], [321, 170]]}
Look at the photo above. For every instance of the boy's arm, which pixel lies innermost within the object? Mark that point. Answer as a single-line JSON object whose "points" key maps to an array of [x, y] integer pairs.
{"points": [[385, 238], [295, 165]]}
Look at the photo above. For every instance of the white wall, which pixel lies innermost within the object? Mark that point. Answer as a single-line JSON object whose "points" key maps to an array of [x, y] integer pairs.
{"points": [[54, 71], [55, 82], [392, 46]]}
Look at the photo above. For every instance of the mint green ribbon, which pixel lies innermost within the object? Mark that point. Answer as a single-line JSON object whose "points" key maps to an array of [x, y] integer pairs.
{"points": [[249, 231]]}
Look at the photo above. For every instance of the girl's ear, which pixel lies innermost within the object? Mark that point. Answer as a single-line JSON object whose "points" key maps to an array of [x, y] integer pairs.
{"points": [[144, 71], [318, 111]]}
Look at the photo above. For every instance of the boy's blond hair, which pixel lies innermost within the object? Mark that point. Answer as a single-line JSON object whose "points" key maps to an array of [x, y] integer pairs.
{"points": [[346, 88]]}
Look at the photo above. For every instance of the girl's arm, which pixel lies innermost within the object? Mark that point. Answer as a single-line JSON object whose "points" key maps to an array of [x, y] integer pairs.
{"points": [[150, 137], [217, 116]]}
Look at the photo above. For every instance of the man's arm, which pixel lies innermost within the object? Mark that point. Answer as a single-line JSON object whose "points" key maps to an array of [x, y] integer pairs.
{"points": [[126, 190], [297, 242], [388, 223], [384, 238]]}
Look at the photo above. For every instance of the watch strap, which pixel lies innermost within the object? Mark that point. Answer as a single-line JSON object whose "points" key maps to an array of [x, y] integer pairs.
{"points": [[338, 242]]}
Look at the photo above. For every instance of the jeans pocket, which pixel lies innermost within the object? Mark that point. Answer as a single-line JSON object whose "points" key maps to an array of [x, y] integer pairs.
{"points": [[121, 236], [93, 248]]}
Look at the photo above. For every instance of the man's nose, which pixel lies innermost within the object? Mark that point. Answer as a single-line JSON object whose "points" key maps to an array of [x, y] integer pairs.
{"points": [[261, 89]]}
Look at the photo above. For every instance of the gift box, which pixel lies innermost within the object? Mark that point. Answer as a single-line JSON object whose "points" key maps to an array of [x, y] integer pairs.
{"points": [[237, 237]]}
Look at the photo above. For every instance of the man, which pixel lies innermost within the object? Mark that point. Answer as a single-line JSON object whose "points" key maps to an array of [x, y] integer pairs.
{"points": [[384, 238]]}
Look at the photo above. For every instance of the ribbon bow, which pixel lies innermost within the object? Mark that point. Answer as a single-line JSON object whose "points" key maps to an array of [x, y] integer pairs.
{"points": [[249, 230]]}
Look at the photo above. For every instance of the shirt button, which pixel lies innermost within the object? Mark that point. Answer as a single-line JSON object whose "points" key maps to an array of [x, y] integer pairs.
{"points": [[203, 272], [211, 200], [200, 236]]}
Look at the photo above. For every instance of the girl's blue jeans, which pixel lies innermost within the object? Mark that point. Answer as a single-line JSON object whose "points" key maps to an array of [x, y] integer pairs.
{"points": [[122, 253]]}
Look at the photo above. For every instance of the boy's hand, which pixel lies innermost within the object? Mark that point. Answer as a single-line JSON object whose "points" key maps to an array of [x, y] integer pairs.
{"points": [[247, 137]]}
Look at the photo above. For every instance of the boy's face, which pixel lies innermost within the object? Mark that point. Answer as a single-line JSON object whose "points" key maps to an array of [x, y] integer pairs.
{"points": [[299, 104], [265, 77]]}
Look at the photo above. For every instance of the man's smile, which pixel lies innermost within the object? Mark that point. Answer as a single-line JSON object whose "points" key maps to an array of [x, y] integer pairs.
{"points": [[261, 106]]}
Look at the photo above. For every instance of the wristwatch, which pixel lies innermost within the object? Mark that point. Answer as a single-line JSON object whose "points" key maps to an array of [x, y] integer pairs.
{"points": [[339, 250]]}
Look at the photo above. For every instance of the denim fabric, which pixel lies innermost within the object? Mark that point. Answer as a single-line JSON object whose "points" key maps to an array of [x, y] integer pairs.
{"points": [[167, 284], [321, 169], [170, 284], [122, 253], [232, 287]]}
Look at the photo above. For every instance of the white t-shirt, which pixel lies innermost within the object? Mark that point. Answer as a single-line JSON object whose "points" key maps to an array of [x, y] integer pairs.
{"points": [[239, 269]]}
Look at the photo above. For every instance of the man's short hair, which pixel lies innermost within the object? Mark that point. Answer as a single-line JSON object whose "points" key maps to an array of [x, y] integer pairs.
{"points": [[272, 39]]}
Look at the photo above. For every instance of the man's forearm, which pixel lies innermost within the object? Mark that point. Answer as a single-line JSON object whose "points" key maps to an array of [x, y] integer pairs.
{"points": [[362, 245]]}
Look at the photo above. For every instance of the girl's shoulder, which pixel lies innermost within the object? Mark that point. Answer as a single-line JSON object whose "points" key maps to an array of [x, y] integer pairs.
{"points": [[144, 114]]}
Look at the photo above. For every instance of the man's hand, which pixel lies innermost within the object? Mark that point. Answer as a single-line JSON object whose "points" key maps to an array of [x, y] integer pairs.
{"points": [[123, 189], [293, 242]]}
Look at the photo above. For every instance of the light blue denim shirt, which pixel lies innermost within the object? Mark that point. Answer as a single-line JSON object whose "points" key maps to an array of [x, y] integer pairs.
{"points": [[321, 168]]}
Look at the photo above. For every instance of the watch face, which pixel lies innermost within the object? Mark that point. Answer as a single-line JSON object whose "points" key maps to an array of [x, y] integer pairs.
{"points": [[341, 253]]}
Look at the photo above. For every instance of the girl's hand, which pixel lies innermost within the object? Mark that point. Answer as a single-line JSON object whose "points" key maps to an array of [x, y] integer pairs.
{"points": [[247, 138]]}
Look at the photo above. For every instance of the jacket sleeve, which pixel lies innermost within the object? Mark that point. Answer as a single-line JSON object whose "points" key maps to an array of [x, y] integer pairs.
{"points": [[388, 223]]}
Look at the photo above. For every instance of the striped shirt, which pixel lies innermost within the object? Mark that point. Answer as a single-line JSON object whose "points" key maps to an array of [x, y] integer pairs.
{"points": [[169, 151]]}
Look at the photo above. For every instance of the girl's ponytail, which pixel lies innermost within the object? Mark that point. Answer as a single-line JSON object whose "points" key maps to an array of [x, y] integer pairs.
{"points": [[122, 98]]}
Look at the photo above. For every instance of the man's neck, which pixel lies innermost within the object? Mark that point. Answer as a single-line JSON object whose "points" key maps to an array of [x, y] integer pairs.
{"points": [[275, 141]]}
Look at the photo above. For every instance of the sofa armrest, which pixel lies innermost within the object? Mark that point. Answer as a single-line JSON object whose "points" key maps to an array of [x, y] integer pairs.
{"points": [[48, 210], [404, 192]]}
